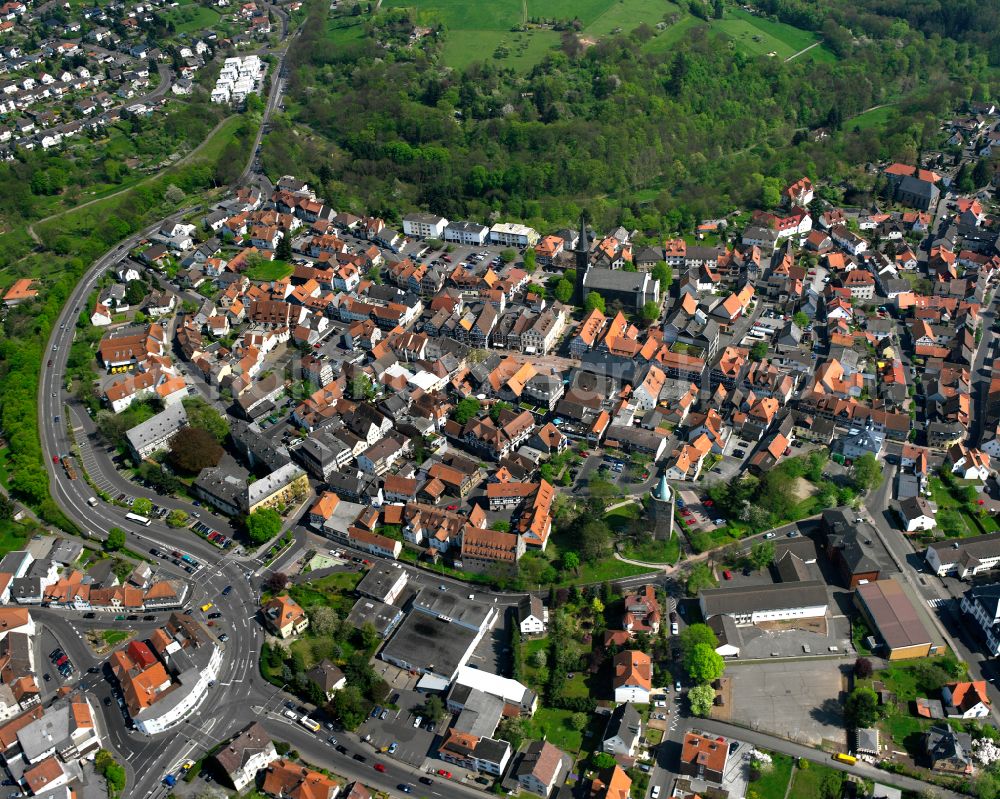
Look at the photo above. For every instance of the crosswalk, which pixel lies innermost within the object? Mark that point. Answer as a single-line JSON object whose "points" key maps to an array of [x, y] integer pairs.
{"points": [[937, 603]]}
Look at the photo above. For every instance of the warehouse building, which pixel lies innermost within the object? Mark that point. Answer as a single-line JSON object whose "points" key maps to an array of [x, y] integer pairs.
{"points": [[894, 618]]}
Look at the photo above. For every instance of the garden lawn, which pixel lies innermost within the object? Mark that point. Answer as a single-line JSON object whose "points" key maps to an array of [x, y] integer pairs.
{"points": [[12, 536], [655, 551], [270, 270], [499, 15], [808, 781], [774, 783], [334, 590], [626, 15], [5, 468], [114, 637], [584, 10], [188, 19], [609, 569], [902, 678], [875, 118], [789, 39], [905, 730], [619, 518], [343, 30], [553, 725], [523, 49]]}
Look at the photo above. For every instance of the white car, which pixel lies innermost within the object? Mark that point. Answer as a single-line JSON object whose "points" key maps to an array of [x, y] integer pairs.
{"points": [[655, 793], [768, 535], [674, 629]]}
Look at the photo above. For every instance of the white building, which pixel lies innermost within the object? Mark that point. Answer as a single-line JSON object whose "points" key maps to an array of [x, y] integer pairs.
{"points": [[469, 233], [532, 615], [753, 604], [424, 226], [238, 78], [511, 234], [982, 604], [173, 707], [154, 434], [249, 752], [964, 557], [916, 513]]}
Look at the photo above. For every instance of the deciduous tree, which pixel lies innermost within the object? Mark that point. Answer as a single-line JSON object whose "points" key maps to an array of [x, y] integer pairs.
{"points": [[594, 300], [263, 525], [704, 664], [193, 449], [115, 540], [701, 698]]}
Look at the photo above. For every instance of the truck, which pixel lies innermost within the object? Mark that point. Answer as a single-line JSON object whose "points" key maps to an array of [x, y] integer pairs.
{"points": [[67, 464]]}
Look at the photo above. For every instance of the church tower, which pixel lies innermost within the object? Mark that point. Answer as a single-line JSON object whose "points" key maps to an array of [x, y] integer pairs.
{"points": [[582, 253]]}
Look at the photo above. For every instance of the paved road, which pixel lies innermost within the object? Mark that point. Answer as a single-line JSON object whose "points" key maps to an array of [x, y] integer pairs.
{"points": [[147, 759], [860, 769]]}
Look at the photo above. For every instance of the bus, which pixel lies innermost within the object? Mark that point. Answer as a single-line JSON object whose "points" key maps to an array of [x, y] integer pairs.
{"points": [[850, 760], [135, 517], [309, 724]]}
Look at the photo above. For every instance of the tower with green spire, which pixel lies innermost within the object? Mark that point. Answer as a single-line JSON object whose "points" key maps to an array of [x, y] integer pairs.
{"points": [[661, 509]]}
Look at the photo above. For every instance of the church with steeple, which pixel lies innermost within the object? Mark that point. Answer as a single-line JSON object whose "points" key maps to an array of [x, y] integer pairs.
{"points": [[632, 289]]}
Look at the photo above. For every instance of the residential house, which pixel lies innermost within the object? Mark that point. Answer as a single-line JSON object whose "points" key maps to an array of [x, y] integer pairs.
{"points": [[541, 767], [966, 700], [623, 732], [284, 617], [632, 678]]}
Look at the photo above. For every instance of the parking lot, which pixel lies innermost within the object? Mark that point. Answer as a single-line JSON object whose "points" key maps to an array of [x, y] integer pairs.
{"points": [[693, 514], [412, 743], [798, 700]]}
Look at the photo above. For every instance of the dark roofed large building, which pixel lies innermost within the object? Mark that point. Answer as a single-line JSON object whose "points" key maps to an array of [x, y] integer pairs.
{"points": [[631, 289], [848, 542]]}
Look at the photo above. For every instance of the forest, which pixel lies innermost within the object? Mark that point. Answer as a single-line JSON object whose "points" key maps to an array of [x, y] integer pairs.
{"points": [[650, 139]]}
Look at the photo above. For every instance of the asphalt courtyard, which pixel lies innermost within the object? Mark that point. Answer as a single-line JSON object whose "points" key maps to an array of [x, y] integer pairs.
{"points": [[797, 700]]}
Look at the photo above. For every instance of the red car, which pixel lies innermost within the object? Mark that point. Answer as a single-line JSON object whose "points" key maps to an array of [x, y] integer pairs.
{"points": [[689, 521], [55, 459], [445, 774], [685, 511], [379, 767], [708, 502], [453, 507], [727, 574]]}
